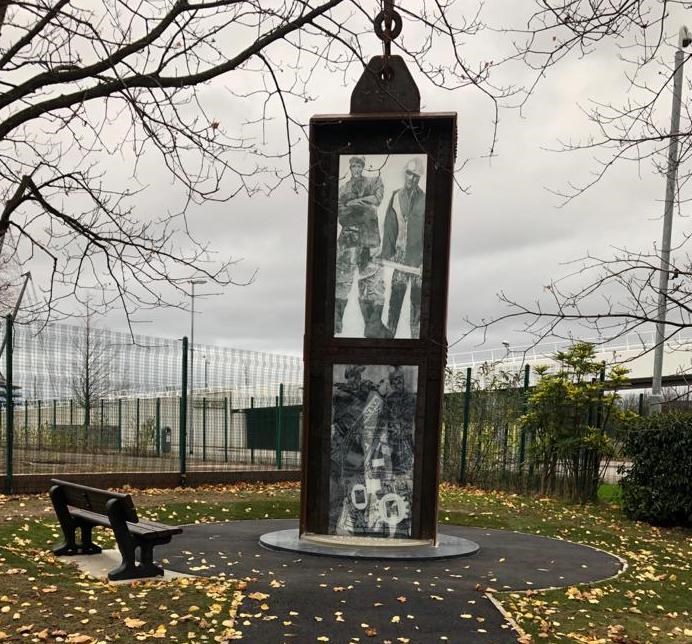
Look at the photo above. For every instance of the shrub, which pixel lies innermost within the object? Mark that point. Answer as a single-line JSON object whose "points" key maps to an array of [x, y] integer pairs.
{"points": [[657, 488], [570, 416]]}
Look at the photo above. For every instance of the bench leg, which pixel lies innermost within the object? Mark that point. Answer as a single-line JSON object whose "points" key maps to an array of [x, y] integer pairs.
{"points": [[128, 566], [146, 559], [69, 547], [130, 569], [69, 528], [88, 547]]}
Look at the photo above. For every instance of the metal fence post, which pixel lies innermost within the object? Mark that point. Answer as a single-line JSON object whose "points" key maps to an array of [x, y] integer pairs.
{"points": [[505, 443], [26, 424], [279, 425], [204, 428], [225, 429], [120, 424], [137, 444], [465, 435], [183, 416], [158, 427], [599, 407], [9, 406], [55, 415], [525, 404], [38, 410], [71, 413], [251, 438]]}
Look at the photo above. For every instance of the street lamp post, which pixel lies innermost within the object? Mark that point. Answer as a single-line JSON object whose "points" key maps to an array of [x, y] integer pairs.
{"points": [[684, 40], [191, 406]]}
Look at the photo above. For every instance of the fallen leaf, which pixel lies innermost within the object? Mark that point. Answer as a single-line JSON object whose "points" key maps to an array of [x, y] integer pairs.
{"points": [[78, 638]]}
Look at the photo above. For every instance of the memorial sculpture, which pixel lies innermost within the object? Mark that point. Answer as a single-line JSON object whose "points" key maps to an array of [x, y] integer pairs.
{"points": [[379, 219]]}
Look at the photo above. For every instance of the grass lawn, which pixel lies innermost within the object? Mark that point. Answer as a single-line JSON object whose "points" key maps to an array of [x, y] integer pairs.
{"points": [[42, 600]]}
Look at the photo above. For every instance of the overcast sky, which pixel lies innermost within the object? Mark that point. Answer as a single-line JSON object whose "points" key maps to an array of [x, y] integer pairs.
{"points": [[508, 233]]}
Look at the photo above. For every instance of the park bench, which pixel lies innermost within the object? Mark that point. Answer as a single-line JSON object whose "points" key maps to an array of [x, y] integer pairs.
{"points": [[79, 506]]}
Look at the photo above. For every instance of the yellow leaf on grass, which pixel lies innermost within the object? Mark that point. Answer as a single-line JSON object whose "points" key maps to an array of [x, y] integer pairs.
{"points": [[132, 622], [258, 596], [4, 636], [78, 638]]}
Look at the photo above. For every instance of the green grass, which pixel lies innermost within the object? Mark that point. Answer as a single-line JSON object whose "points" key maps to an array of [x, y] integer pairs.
{"points": [[610, 493], [649, 602], [39, 595]]}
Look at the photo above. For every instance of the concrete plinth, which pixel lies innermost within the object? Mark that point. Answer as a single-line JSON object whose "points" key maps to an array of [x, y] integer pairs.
{"points": [[447, 547]]}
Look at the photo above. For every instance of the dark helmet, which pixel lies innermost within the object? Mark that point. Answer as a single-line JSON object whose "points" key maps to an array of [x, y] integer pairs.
{"points": [[354, 370]]}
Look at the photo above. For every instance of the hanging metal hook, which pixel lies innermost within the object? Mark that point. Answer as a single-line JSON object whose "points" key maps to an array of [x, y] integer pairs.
{"points": [[388, 25], [386, 84]]}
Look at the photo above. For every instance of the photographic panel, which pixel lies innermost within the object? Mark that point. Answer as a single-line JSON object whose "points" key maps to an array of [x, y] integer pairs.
{"points": [[379, 245], [372, 450]]}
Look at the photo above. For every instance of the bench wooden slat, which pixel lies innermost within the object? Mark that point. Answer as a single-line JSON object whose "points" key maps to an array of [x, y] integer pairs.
{"points": [[142, 528], [91, 498]]}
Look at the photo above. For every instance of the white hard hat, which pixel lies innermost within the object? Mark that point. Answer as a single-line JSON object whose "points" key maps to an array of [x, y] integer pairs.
{"points": [[415, 166]]}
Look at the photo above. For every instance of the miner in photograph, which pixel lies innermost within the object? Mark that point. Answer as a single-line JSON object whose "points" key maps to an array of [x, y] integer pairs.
{"points": [[349, 412], [358, 242], [402, 245]]}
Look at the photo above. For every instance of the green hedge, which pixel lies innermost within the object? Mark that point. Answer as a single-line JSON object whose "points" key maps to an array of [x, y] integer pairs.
{"points": [[658, 486]]}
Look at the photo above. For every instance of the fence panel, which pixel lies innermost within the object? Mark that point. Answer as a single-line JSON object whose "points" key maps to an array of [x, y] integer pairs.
{"points": [[91, 400]]}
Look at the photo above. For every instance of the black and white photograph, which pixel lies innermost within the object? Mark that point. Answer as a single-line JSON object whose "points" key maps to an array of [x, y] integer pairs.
{"points": [[379, 259], [371, 451]]}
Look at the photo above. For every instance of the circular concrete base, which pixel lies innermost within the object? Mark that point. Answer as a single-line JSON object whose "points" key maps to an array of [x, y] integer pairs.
{"points": [[447, 546]]}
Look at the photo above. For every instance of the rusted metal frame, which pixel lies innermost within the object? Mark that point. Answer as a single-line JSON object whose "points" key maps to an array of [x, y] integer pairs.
{"points": [[375, 134]]}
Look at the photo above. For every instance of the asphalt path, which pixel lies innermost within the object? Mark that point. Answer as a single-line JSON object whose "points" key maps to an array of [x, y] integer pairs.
{"points": [[309, 597]]}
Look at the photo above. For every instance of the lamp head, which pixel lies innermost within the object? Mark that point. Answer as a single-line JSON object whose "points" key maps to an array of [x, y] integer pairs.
{"points": [[685, 37]]}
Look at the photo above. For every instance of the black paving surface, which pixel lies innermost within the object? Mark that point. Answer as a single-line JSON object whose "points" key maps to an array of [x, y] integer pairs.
{"points": [[367, 601]]}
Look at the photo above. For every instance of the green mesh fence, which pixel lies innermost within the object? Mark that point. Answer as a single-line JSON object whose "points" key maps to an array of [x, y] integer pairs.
{"points": [[482, 439], [92, 400]]}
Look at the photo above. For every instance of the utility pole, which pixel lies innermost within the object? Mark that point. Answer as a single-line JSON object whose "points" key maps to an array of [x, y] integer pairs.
{"points": [[684, 40]]}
